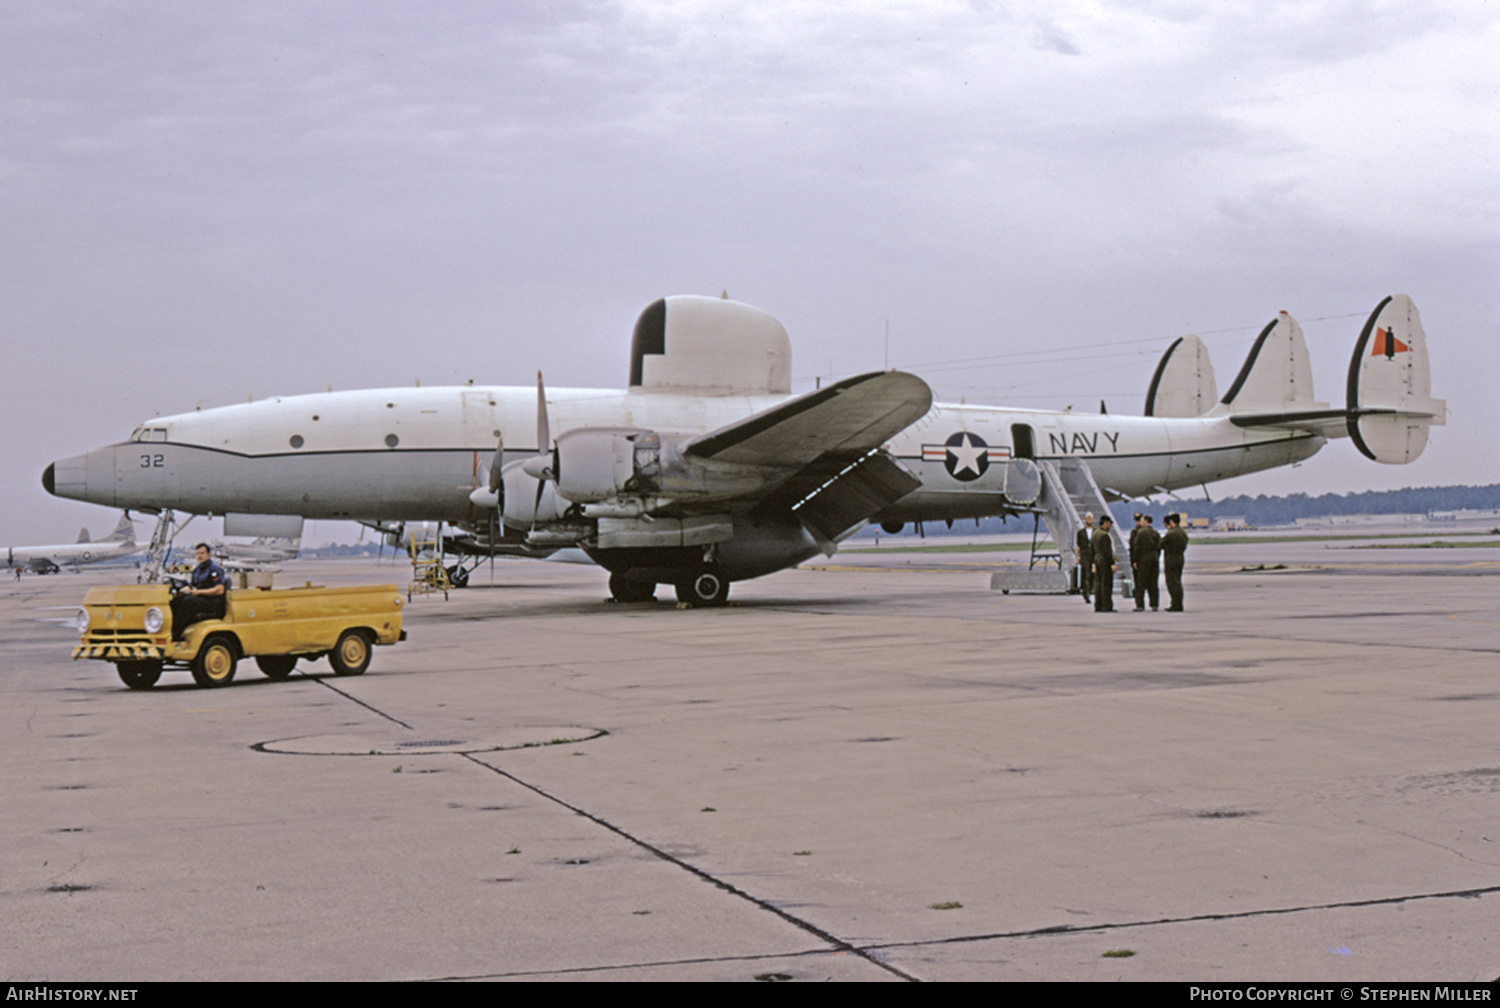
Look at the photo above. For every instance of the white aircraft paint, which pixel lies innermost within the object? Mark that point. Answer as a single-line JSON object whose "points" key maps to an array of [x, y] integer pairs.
{"points": [[709, 384], [45, 559]]}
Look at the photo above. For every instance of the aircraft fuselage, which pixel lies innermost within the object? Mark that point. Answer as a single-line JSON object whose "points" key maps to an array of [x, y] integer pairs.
{"points": [[417, 454], [49, 558]]}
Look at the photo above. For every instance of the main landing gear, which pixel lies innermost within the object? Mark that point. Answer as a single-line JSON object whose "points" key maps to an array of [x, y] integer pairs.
{"points": [[702, 590], [622, 589], [707, 588]]}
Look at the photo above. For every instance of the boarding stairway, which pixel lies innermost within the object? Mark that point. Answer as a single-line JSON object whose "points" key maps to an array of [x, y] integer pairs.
{"points": [[1068, 493]]}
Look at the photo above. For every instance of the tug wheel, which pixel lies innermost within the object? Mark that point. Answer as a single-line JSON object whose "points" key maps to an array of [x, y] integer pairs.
{"points": [[139, 674], [214, 664], [351, 655], [276, 666]]}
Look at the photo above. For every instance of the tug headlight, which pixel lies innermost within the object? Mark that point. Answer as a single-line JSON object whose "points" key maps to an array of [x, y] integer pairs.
{"points": [[154, 620], [83, 621]]}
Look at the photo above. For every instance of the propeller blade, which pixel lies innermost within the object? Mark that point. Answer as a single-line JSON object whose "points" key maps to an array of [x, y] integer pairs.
{"points": [[496, 483], [536, 505], [543, 425]]}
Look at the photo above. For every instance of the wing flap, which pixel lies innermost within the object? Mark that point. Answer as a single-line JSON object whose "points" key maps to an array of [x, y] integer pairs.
{"points": [[841, 506]]}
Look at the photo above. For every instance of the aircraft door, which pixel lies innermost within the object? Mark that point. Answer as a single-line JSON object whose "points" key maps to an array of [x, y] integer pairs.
{"points": [[1022, 442], [481, 422]]}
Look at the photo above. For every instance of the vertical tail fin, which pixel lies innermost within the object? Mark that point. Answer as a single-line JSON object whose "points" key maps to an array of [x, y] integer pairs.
{"points": [[1183, 385], [1390, 400], [1277, 375], [124, 529]]}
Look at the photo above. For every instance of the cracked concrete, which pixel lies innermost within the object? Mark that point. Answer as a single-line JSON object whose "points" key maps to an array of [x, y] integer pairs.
{"points": [[1229, 793]]}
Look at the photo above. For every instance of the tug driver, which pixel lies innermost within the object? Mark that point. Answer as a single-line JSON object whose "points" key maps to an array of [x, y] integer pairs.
{"points": [[203, 598]]}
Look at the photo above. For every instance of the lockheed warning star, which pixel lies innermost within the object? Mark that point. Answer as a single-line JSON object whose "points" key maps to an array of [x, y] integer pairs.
{"points": [[706, 470]]}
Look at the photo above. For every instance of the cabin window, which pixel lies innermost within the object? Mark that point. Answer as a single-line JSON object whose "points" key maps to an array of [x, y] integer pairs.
{"points": [[295, 441], [392, 440], [1021, 443]]}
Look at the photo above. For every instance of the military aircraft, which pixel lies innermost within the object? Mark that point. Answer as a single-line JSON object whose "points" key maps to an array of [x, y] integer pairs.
{"points": [[706, 470], [261, 550], [49, 559]]}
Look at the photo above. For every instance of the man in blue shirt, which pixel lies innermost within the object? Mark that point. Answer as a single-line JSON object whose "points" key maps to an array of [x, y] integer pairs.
{"points": [[203, 598]]}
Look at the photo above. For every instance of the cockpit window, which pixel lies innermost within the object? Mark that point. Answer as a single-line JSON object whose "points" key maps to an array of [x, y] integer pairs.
{"points": [[144, 433]]}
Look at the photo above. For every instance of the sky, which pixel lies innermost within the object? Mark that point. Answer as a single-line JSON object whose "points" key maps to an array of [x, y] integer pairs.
{"points": [[1023, 202]]}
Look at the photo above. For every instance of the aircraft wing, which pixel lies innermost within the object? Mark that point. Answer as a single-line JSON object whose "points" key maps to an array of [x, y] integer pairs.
{"points": [[828, 445], [845, 419]]}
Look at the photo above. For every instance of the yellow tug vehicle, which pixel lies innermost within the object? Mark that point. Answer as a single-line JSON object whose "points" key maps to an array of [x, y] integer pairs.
{"points": [[131, 626]]}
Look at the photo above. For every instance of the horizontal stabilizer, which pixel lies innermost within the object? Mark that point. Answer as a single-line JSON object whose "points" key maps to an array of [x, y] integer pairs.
{"points": [[1329, 423], [1183, 385], [1390, 386], [1277, 375]]}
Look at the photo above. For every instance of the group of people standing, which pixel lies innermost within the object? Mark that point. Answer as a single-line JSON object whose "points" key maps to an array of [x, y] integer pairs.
{"points": [[1149, 552]]}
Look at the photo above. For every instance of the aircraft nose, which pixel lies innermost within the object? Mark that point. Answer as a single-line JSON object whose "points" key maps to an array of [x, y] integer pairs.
{"points": [[67, 477]]}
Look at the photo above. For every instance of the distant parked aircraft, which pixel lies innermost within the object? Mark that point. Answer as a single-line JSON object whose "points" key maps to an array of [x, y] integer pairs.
{"points": [[50, 559]]}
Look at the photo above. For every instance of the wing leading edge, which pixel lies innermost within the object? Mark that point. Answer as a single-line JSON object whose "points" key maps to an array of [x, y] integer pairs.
{"points": [[847, 418]]}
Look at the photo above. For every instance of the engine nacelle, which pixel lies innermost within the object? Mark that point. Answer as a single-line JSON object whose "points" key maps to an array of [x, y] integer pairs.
{"points": [[521, 507], [606, 463]]}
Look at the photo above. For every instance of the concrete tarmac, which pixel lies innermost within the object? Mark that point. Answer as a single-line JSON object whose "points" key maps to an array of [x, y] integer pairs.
{"points": [[874, 769]]}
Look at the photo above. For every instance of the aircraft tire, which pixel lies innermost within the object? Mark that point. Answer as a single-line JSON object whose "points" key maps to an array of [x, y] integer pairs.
{"points": [[215, 662], [276, 666], [708, 588], [351, 655], [139, 674], [458, 576], [625, 590]]}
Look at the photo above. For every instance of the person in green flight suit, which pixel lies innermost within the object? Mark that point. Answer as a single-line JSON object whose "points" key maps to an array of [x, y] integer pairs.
{"points": [[1173, 547], [1104, 566], [1135, 533], [1144, 551], [1083, 556]]}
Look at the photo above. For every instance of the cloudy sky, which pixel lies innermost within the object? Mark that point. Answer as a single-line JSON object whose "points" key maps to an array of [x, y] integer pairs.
{"points": [[207, 203]]}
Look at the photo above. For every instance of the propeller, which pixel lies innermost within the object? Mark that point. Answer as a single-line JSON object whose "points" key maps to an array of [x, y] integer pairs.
{"points": [[496, 487], [541, 467]]}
